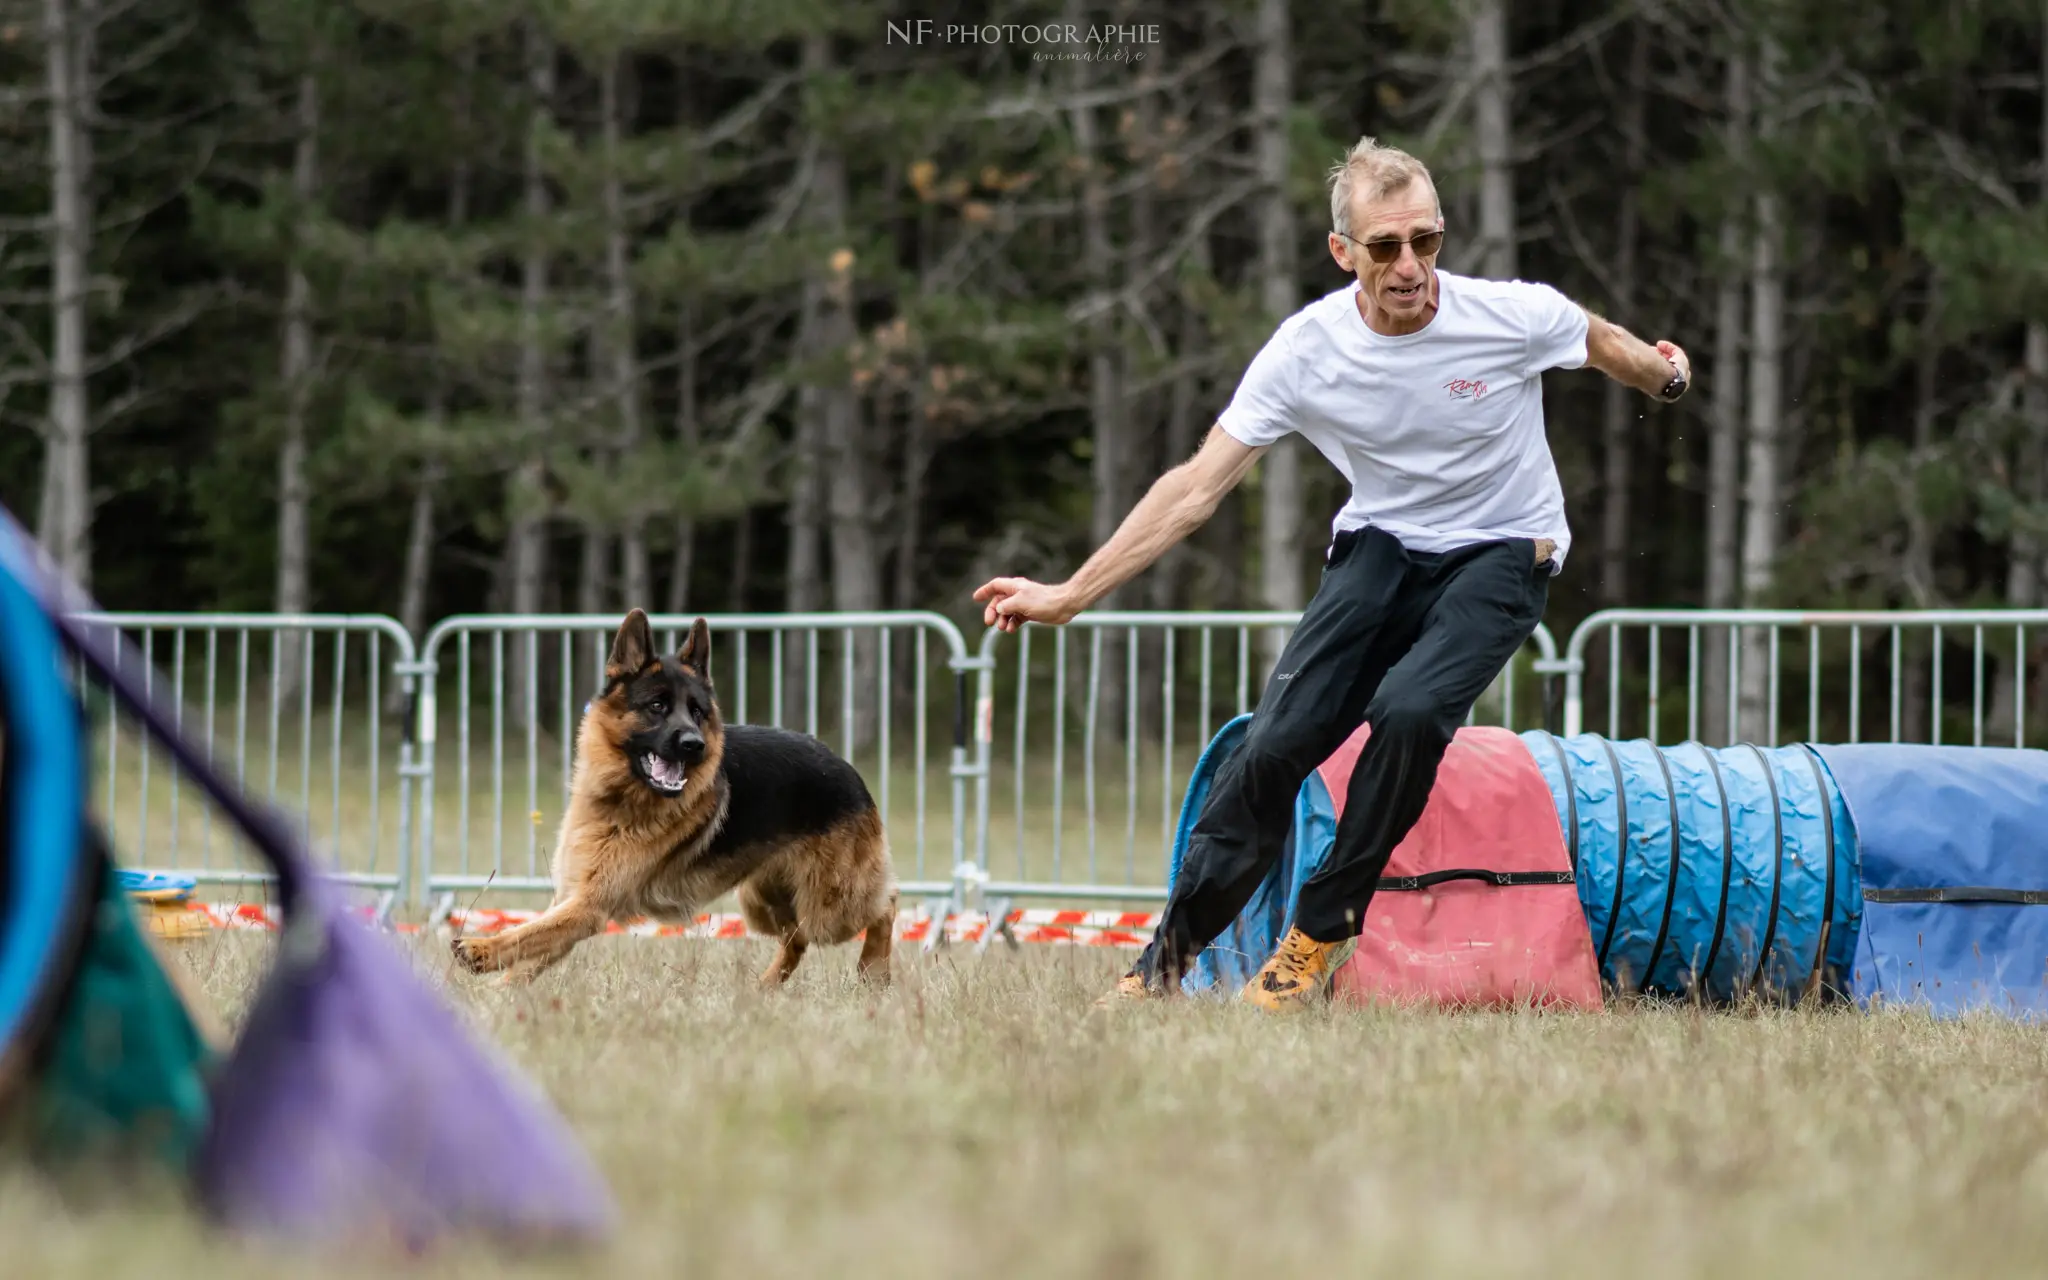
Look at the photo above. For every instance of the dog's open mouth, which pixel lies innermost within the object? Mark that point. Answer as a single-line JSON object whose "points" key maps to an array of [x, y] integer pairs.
{"points": [[663, 775]]}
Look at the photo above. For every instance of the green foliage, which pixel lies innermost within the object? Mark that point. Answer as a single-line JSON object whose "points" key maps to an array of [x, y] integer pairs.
{"points": [[1905, 159]]}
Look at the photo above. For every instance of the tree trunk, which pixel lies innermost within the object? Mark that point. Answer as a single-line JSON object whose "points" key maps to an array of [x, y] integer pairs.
{"points": [[856, 558], [635, 584], [904, 591], [690, 432], [527, 500], [593, 592], [917, 452], [1281, 491], [1724, 443], [296, 374], [419, 545], [1918, 567], [1621, 414], [1492, 122], [803, 574], [2027, 580], [65, 522], [420, 528], [742, 560], [805, 582], [1184, 410], [2037, 356], [419, 541], [1762, 517], [2026, 574], [1106, 408], [1222, 541]]}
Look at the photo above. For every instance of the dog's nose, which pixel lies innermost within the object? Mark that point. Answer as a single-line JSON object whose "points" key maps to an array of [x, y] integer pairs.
{"points": [[690, 746]]}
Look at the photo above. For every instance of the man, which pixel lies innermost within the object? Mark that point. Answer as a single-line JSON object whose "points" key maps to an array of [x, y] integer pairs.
{"points": [[1424, 388]]}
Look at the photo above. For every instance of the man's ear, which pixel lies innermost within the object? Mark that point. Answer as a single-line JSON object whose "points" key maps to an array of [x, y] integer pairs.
{"points": [[696, 651], [632, 648]]}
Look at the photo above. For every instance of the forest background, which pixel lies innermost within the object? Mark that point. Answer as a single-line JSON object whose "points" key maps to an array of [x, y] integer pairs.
{"points": [[428, 306]]}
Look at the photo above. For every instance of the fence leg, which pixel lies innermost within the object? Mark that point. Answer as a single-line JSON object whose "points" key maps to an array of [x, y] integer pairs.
{"points": [[1556, 719], [941, 910], [998, 923]]}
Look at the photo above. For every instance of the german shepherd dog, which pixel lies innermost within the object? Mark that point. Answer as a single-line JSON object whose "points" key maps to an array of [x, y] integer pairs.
{"points": [[670, 807]]}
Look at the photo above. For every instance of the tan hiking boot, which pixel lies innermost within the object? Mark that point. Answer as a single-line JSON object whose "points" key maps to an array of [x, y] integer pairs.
{"points": [[1298, 972], [1128, 989]]}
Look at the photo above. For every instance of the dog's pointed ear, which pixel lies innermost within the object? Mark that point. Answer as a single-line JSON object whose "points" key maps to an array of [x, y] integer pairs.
{"points": [[632, 648], [696, 651]]}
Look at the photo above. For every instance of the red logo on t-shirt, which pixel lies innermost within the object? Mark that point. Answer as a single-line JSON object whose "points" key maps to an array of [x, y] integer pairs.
{"points": [[1465, 389]]}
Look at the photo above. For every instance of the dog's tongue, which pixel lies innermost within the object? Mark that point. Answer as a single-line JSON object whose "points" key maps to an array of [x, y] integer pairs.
{"points": [[666, 772]]}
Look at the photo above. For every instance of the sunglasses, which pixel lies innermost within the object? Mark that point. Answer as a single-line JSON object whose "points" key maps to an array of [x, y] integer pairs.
{"points": [[1385, 251]]}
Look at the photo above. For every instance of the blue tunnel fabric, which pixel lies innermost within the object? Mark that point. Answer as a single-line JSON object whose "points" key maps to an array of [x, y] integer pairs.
{"points": [[1945, 833], [1235, 954], [47, 880], [1705, 870], [1229, 962]]}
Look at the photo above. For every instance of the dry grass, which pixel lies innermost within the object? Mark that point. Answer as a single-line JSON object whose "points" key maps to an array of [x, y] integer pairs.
{"points": [[980, 1119]]}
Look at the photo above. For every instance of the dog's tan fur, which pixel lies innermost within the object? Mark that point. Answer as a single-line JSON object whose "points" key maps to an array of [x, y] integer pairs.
{"points": [[626, 852]]}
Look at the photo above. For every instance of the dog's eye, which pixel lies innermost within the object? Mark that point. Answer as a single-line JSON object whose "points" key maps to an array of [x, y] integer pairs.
{"points": [[658, 707]]}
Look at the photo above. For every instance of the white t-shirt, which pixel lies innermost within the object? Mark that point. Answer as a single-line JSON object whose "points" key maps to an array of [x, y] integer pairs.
{"points": [[1440, 432]]}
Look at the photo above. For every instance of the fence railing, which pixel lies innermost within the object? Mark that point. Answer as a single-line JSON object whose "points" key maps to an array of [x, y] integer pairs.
{"points": [[1935, 676], [870, 685], [1063, 767], [1078, 794], [298, 709]]}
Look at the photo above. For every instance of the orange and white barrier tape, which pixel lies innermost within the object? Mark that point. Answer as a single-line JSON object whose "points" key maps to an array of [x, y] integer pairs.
{"points": [[1075, 928]]}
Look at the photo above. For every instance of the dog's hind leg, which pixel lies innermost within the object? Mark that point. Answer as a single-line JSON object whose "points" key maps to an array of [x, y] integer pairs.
{"points": [[875, 947], [535, 945]]}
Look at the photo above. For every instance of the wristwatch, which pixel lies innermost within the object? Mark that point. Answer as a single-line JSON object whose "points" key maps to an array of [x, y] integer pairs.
{"points": [[1674, 388]]}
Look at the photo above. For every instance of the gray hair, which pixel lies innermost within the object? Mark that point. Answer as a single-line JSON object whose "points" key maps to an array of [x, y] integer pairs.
{"points": [[1382, 170]]}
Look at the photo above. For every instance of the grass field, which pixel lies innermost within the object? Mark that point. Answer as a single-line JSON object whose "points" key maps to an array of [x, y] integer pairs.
{"points": [[979, 1119]]}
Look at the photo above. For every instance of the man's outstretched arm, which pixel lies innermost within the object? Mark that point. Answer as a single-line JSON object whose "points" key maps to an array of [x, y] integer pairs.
{"points": [[1632, 362], [1177, 504]]}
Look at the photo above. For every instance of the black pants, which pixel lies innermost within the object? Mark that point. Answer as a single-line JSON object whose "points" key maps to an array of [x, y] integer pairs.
{"points": [[1400, 639]]}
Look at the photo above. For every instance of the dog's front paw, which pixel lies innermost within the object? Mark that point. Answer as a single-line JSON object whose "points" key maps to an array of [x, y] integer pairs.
{"points": [[475, 954]]}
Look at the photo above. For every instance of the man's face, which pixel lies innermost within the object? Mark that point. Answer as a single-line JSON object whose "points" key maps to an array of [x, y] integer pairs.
{"points": [[1399, 288]]}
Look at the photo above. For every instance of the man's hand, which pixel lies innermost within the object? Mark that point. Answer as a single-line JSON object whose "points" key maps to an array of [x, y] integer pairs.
{"points": [[1679, 360], [1009, 603]]}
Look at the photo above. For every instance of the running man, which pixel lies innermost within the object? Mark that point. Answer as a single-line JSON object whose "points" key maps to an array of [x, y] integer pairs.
{"points": [[1423, 388]]}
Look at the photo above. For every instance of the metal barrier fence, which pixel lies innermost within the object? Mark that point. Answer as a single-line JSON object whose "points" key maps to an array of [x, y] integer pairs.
{"points": [[1737, 679], [1150, 691], [861, 681], [1082, 736], [266, 694]]}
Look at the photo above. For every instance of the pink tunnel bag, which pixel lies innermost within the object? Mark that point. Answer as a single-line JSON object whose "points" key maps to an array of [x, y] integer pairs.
{"points": [[1470, 942]]}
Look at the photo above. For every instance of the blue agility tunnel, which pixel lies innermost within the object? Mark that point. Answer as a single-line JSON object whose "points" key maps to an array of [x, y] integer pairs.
{"points": [[1235, 955], [1954, 853], [1705, 871], [1887, 874]]}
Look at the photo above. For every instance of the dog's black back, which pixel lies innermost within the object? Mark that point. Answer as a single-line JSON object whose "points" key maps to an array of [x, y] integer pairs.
{"points": [[783, 785]]}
